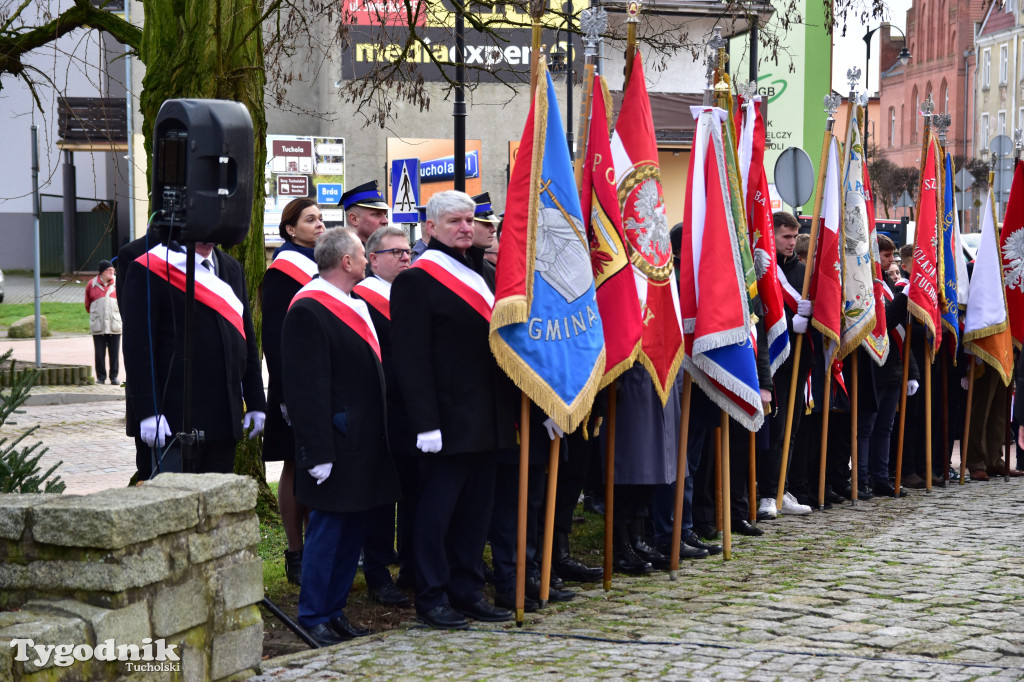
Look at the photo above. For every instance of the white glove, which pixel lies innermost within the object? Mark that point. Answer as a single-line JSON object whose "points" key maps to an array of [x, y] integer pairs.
{"points": [[799, 324], [284, 414], [153, 432], [554, 433], [912, 387], [256, 420], [964, 383], [805, 307], [429, 441], [321, 471]]}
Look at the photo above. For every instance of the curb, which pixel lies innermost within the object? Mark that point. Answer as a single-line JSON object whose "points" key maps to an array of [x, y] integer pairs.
{"points": [[36, 399]]}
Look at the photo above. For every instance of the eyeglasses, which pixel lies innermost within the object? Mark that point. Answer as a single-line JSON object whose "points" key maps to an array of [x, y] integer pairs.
{"points": [[397, 253]]}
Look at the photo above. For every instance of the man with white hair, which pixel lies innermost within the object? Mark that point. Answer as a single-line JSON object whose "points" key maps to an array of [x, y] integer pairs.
{"points": [[461, 407]]}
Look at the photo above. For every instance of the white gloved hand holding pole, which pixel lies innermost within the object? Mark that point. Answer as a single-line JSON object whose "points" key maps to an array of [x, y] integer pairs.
{"points": [[554, 433], [799, 324], [912, 387], [805, 307]]}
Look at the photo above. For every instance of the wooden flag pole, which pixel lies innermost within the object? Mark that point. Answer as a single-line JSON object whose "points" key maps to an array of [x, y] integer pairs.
{"points": [[903, 405], [752, 479], [830, 106], [718, 478], [967, 420], [632, 19], [524, 481], [549, 520], [1009, 427], [684, 437], [723, 466], [826, 400], [929, 357], [853, 427], [536, 12], [609, 487]]}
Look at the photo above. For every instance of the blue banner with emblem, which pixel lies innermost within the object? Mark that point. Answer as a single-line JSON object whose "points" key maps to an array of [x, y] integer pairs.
{"points": [[949, 307]]}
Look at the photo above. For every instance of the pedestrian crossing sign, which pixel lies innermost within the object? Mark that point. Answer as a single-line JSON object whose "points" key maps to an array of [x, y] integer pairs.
{"points": [[405, 190]]}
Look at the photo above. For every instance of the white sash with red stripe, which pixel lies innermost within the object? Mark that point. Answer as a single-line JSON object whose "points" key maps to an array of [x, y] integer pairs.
{"points": [[790, 296], [377, 293], [459, 279], [297, 266], [351, 311], [211, 291]]}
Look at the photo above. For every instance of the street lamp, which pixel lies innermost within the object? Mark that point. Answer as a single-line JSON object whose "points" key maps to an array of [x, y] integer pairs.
{"points": [[904, 55], [560, 61]]}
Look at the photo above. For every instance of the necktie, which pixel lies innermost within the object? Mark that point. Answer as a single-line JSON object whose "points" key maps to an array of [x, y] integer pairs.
{"points": [[207, 264]]}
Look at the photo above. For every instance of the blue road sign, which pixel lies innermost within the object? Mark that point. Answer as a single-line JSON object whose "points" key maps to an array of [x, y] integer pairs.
{"points": [[329, 193], [444, 168], [405, 190]]}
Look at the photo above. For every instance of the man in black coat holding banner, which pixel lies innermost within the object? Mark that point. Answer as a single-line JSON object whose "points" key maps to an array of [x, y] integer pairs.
{"points": [[461, 408], [333, 384]]}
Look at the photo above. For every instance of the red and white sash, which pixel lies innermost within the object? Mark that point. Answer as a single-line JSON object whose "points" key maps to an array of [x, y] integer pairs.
{"points": [[295, 265], [211, 291], [459, 279], [351, 311], [377, 293], [790, 296]]}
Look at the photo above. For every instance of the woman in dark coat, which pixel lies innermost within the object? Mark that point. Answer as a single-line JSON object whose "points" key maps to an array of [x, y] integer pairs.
{"points": [[293, 267]]}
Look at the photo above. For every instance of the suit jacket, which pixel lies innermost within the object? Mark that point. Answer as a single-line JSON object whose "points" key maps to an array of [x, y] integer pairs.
{"points": [[126, 255], [447, 375], [335, 394], [227, 378]]}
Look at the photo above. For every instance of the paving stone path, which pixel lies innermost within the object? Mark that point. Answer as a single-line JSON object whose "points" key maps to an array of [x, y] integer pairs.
{"points": [[927, 587]]}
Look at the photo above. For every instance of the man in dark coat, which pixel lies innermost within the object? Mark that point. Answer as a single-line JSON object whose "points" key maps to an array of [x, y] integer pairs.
{"points": [[335, 393], [227, 378], [461, 408]]}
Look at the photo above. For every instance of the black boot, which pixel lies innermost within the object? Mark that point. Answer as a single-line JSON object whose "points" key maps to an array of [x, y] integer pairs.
{"points": [[293, 566], [625, 559], [649, 554], [568, 568]]}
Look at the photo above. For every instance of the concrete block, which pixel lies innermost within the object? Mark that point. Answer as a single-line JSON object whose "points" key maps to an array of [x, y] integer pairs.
{"points": [[13, 510], [236, 651], [124, 625], [116, 518], [178, 608], [240, 584], [222, 540], [218, 493]]}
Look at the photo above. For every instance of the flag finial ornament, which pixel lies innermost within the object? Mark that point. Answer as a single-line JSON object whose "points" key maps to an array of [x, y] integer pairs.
{"points": [[853, 76], [593, 22], [941, 123], [633, 12], [832, 102], [1018, 139], [746, 89], [863, 99]]}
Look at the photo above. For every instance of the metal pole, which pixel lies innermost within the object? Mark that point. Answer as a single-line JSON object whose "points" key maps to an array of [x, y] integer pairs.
{"points": [[35, 244], [568, 79], [753, 49], [967, 80], [460, 97], [70, 206]]}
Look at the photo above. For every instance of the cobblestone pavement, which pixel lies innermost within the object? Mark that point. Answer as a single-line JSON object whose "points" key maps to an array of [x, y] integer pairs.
{"points": [[926, 587], [20, 288]]}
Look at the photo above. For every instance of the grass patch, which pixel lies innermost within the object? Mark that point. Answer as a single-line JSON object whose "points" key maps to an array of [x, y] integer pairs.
{"points": [[61, 317]]}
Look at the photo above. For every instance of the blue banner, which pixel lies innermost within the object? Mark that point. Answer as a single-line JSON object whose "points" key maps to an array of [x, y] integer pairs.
{"points": [[949, 305]]}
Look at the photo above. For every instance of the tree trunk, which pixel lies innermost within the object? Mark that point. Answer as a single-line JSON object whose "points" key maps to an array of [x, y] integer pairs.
{"points": [[213, 49]]}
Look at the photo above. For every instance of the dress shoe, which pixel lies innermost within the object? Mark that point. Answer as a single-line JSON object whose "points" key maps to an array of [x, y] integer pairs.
{"points": [[744, 527], [556, 592], [685, 551], [690, 538], [1000, 472], [483, 611], [705, 531], [937, 481], [864, 492], [626, 561], [442, 617], [507, 600], [346, 630], [885, 489], [837, 498], [389, 595], [652, 556], [293, 566], [324, 635], [574, 571], [979, 475], [914, 481]]}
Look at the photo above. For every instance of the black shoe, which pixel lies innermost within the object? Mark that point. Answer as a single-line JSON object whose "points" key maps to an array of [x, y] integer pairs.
{"points": [[293, 566], [685, 551], [837, 498], [389, 595], [652, 556], [442, 617], [885, 489], [507, 600], [690, 538], [705, 531], [744, 527], [864, 493], [346, 630], [484, 612], [324, 635], [555, 591], [572, 570], [813, 502]]}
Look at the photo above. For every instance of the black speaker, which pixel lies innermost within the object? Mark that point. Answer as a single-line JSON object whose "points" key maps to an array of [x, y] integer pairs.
{"points": [[202, 171]]}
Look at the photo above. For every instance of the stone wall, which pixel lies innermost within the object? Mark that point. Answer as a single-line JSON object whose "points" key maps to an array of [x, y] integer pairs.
{"points": [[173, 560]]}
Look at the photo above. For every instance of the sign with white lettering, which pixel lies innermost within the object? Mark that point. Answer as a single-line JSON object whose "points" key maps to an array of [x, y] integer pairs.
{"points": [[295, 163], [293, 185]]}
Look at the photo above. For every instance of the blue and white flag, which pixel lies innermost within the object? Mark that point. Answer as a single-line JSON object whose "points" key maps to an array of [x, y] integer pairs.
{"points": [[949, 307]]}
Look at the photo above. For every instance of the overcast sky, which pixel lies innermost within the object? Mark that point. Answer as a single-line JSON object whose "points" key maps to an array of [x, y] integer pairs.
{"points": [[848, 51]]}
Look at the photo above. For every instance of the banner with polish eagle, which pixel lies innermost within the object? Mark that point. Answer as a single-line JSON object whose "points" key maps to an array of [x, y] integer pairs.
{"points": [[1011, 246], [638, 177], [923, 289]]}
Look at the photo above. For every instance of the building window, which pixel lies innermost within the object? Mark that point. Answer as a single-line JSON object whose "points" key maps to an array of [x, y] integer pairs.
{"points": [[986, 69], [1001, 122], [983, 133], [1004, 51], [892, 126], [917, 115]]}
